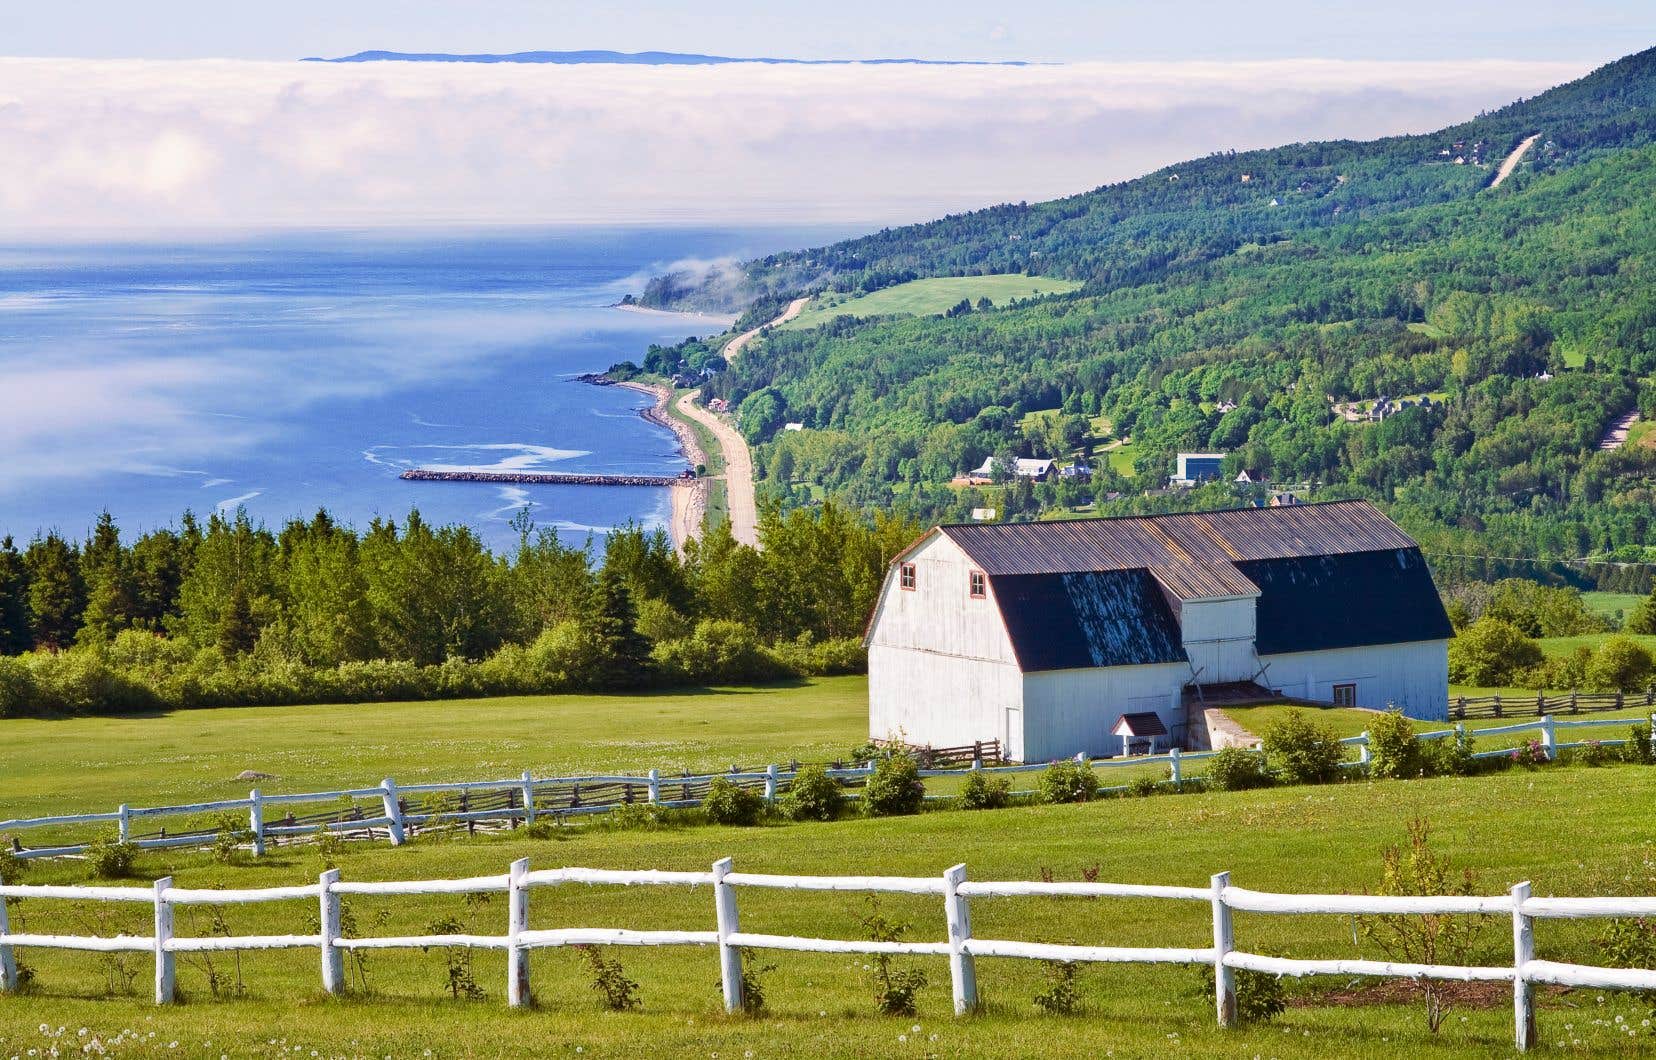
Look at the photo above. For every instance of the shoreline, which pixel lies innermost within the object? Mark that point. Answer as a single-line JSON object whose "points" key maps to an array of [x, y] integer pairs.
{"points": [[689, 505]]}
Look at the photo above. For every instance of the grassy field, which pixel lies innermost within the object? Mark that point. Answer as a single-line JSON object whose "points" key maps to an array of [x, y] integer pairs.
{"points": [[1609, 604], [1326, 839], [928, 297], [187, 756]]}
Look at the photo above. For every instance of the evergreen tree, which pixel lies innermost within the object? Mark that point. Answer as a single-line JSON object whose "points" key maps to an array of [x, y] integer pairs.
{"points": [[57, 594], [14, 600], [618, 653], [111, 596], [237, 631], [156, 564], [232, 556]]}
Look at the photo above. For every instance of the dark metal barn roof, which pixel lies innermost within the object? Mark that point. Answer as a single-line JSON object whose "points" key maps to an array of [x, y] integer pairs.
{"points": [[1086, 619], [1309, 603]]}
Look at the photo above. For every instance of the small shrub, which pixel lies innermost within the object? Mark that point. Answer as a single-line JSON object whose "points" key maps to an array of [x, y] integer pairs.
{"points": [[1260, 997], [609, 979], [894, 788], [728, 803], [753, 983], [330, 847], [1529, 755], [1637, 750], [1394, 751], [1491, 652], [984, 791], [1060, 996], [1068, 781], [110, 859], [1139, 787], [228, 839], [1619, 665], [813, 796], [1448, 757], [1302, 750], [1237, 769], [895, 989], [1593, 754]]}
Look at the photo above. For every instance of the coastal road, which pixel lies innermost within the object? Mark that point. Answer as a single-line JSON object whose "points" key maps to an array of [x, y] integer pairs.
{"points": [[1512, 160], [738, 461]]}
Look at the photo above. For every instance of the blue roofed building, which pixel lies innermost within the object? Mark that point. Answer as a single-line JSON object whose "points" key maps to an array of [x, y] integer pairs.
{"points": [[1045, 635]]}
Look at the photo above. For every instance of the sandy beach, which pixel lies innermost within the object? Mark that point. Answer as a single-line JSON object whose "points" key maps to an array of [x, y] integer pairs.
{"points": [[689, 501]]}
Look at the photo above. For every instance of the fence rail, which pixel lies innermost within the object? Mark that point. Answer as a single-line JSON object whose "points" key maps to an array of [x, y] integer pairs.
{"points": [[404, 810], [1539, 703], [959, 945]]}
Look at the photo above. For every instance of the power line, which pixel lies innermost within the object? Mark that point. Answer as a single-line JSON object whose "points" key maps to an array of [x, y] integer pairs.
{"points": [[1580, 561]]}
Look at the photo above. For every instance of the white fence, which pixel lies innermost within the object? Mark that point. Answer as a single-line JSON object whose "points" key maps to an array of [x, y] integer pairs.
{"points": [[959, 945], [525, 798]]}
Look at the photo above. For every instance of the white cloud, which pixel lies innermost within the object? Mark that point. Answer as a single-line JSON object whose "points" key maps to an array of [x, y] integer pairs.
{"points": [[102, 145]]}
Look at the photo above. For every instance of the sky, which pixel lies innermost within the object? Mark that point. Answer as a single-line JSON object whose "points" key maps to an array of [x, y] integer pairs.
{"points": [[170, 115]]}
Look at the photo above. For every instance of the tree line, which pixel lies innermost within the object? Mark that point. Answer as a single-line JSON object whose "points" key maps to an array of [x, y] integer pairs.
{"points": [[230, 611]]}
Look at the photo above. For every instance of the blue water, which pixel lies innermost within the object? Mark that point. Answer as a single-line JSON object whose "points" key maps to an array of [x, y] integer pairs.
{"points": [[288, 373]]}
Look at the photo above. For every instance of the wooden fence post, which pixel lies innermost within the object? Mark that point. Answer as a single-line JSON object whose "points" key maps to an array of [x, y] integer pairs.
{"points": [[1497, 698], [770, 783], [393, 811], [1224, 939], [255, 821], [655, 786], [166, 973], [1540, 703], [730, 958], [8, 962], [124, 823], [1523, 951], [333, 961], [962, 967], [517, 922], [1174, 772], [528, 799], [1549, 738]]}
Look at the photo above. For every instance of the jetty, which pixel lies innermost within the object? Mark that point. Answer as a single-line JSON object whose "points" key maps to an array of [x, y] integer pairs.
{"points": [[549, 478]]}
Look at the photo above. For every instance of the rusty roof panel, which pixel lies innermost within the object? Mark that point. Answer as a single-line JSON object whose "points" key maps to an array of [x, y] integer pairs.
{"points": [[1168, 542], [1204, 581]]}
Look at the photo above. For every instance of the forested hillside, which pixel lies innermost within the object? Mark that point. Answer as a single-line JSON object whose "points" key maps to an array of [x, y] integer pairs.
{"points": [[1281, 283]]}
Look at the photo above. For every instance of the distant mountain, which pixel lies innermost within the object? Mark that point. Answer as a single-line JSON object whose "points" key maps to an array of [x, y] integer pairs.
{"points": [[633, 59]]}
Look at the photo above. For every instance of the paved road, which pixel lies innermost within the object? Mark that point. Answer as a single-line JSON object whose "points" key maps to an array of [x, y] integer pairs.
{"points": [[1512, 161], [738, 461]]}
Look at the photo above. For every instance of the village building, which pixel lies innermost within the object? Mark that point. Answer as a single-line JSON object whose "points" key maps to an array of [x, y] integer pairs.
{"points": [[1191, 468], [1023, 467], [1046, 635]]}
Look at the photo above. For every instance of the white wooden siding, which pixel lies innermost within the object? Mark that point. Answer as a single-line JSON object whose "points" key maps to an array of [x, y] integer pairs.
{"points": [[1071, 711], [1413, 676], [1219, 638], [940, 665]]}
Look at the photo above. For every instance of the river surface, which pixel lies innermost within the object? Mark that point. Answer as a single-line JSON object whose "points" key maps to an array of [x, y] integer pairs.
{"points": [[289, 373]]}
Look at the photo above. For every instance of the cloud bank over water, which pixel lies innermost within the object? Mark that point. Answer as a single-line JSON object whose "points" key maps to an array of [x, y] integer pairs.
{"points": [[130, 144]]}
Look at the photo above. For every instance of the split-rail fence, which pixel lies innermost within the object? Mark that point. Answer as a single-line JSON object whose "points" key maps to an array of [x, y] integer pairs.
{"points": [[959, 945]]}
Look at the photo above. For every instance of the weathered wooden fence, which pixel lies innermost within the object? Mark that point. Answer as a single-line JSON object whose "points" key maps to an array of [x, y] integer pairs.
{"points": [[959, 944], [1539, 703], [402, 811]]}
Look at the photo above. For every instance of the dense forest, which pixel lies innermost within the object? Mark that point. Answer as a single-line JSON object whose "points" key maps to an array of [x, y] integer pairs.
{"points": [[232, 613], [1229, 303]]}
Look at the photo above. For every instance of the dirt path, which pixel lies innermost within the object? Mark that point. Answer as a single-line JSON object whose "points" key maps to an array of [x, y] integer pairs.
{"points": [[1512, 160], [738, 461], [1616, 436]]}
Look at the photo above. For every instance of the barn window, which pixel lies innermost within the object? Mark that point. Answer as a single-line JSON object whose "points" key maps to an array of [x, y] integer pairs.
{"points": [[905, 576], [979, 586], [1345, 695]]}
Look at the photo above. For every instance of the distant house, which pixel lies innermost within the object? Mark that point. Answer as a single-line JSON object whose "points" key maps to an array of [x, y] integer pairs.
{"points": [[719, 405], [984, 515], [1024, 467], [1196, 467], [1078, 472], [1058, 637], [1283, 500], [1250, 477], [1224, 407], [793, 426]]}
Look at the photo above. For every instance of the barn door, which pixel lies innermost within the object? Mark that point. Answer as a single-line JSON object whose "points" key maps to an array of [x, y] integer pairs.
{"points": [[1012, 742]]}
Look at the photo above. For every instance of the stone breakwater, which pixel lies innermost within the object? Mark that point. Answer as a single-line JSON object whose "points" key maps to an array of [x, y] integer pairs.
{"points": [[547, 478]]}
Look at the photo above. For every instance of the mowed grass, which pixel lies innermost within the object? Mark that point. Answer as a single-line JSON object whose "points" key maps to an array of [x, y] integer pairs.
{"points": [[1325, 839], [1610, 604], [929, 297], [81, 765]]}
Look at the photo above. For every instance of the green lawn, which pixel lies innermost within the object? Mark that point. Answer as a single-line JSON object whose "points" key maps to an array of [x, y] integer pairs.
{"points": [[929, 297], [1311, 839], [194, 755], [1608, 604], [1121, 459]]}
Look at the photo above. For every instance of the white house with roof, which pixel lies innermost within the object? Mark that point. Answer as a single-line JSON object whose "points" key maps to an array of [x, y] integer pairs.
{"points": [[1046, 635], [1023, 467]]}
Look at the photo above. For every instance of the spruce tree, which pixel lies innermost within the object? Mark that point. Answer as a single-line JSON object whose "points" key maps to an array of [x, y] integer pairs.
{"points": [[14, 600], [620, 655], [111, 601], [57, 595], [237, 631]]}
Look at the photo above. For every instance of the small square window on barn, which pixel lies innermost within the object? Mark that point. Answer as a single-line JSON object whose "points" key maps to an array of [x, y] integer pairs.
{"points": [[905, 576], [979, 585], [1345, 695]]}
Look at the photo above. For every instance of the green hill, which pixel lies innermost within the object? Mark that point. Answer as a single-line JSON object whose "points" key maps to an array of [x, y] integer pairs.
{"points": [[1281, 282]]}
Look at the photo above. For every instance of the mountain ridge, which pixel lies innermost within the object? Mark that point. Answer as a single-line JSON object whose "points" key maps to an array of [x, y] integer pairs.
{"points": [[645, 58]]}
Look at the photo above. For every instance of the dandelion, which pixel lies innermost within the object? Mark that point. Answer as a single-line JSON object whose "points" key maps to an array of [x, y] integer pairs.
{"points": [[902, 1037]]}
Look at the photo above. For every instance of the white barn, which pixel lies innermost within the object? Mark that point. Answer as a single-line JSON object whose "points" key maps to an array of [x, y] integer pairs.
{"points": [[1043, 635]]}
